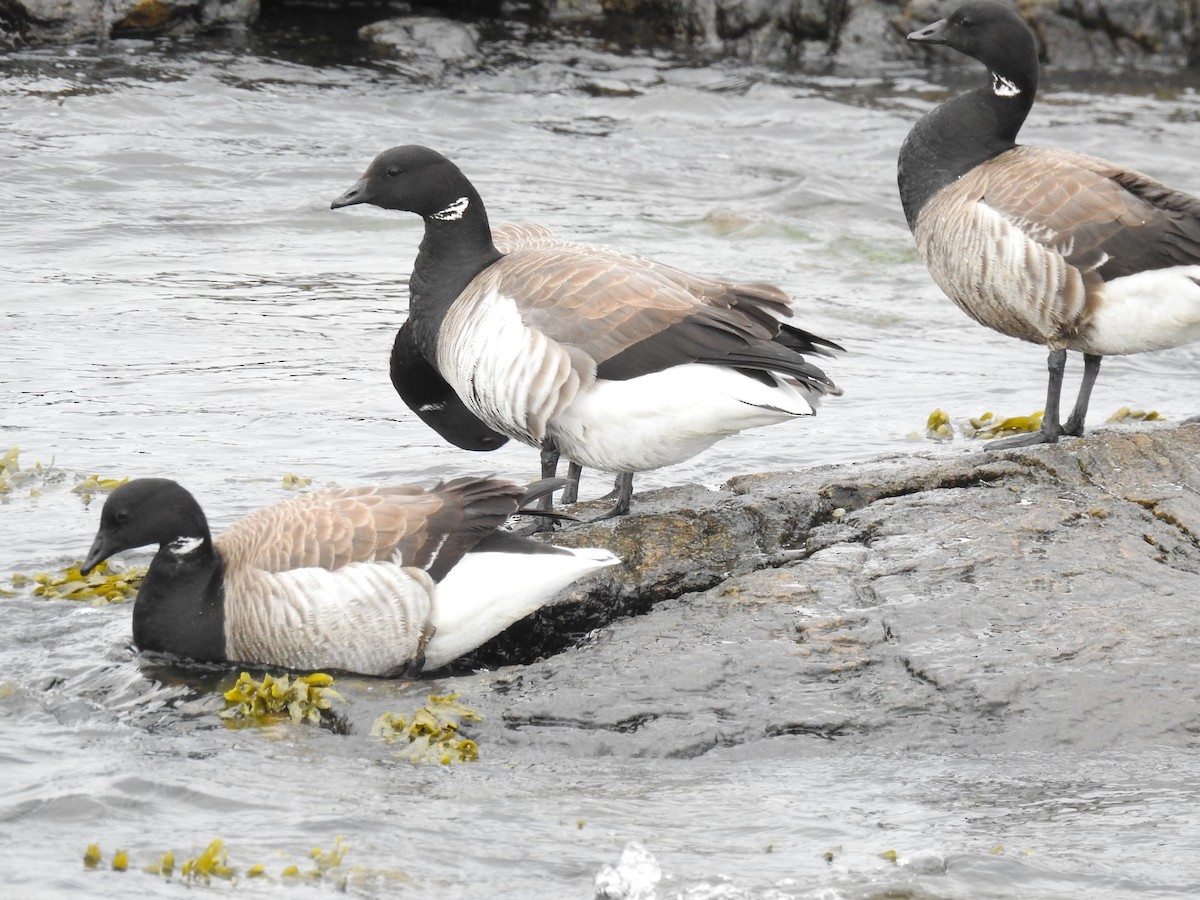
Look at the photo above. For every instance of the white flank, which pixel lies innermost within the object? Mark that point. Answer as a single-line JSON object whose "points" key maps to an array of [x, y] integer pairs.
{"points": [[487, 592], [666, 417], [1147, 311]]}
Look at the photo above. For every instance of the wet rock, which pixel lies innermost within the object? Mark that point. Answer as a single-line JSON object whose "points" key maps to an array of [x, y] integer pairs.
{"points": [[1082, 34], [1040, 598], [424, 36], [863, 34], [61, 21], [856, 35]]}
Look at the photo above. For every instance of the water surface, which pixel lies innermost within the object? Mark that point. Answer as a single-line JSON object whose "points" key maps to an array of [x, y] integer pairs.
{"points": [[179, 300]]}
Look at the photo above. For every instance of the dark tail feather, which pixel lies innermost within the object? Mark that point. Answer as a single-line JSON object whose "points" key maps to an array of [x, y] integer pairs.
{"points": [[535, 492], [806, 342]]}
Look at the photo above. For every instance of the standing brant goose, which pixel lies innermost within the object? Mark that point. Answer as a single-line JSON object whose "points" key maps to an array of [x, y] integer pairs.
{"points": [[373, 580], [615, 362], [1045, 245]]}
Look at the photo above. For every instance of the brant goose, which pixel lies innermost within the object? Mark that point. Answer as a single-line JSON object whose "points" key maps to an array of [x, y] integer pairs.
{"points": [[372, 580], [1049, 246], [615, 362]]}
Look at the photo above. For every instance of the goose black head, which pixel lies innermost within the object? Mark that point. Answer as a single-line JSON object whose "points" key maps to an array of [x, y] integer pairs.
{"points": [[993, 33], [142, 512], [414, 179]]}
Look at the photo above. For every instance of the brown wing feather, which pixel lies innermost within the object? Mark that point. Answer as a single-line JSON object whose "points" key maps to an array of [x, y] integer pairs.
{"points": [[633, 316], [512, 236], [424, 529], [764, 300], [329, 528], [472, 509], [769, 301], [1099, 216]]}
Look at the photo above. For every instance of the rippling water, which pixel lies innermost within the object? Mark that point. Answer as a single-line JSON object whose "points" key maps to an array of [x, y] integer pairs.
{"points": [[179, 300]]}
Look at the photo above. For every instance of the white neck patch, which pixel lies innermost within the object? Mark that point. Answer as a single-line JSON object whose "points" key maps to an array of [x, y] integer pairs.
{"points": [[454, 211], [1002, 87], [182, 546]]}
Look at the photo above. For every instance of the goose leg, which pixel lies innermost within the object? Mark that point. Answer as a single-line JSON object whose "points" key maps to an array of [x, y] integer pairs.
{"points": [[549, 470], [1091, 368], [546, 502], [624, 491], [570, 494], [1056, 362]]}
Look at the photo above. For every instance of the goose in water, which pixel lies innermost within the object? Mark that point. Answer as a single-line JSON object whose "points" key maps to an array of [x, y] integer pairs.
{"points": [[372, 580], [616, 363], [1049, 246]]}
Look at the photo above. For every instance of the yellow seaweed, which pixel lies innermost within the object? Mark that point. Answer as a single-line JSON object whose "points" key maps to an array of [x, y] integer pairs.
{"points": [[213, 862], [937, 426], [988, 426], [431, 732], [332, 858], [93, 484], [100, 586], [1125, 414], [300, 699]]}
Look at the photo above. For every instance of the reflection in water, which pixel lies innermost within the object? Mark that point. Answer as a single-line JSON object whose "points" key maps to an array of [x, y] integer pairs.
{"points": [[180, 301]]}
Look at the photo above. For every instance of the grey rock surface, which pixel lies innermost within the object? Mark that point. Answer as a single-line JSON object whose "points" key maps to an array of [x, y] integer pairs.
{"points": [[1030, 599]]}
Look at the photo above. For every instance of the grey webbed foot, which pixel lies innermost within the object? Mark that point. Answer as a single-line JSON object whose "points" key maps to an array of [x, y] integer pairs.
{"points": [[1032, 439]]}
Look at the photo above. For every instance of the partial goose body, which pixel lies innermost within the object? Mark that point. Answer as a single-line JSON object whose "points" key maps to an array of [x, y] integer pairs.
{"points": [[372, 580], [1025, 246], [426, 393], [616, 362], [1052, 247], [532, 373]]}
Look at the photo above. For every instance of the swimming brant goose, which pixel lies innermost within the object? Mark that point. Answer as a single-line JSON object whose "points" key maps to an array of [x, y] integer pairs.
{"points": [[615, 362], [1045, 245], [372, 580]]}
